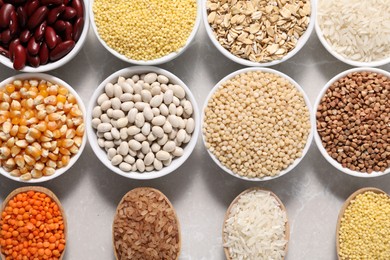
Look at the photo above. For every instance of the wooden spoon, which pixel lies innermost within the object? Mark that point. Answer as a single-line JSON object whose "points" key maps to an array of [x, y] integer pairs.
{"points": [[282, 207], [48, 193], [346, 204], [165, 199]]}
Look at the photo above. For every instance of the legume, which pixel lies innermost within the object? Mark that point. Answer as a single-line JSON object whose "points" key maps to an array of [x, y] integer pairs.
{"points": [[145, 29], [135, 126], [41, 128], [38, 32], [258, 30], [365, 228], [353, 121], [256, 124], [146, 226], [32, 227]]}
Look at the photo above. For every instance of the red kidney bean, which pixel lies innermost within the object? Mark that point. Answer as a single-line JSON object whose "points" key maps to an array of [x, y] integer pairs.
{"points": [[43, 54], [40, 31], [1, 2], [25, 36], [5, 15], [51, 2], [6, 36], [11, 48], [61, 50], [37, 17], [14, 23], [78, 28], [31, 7], [78, 6], [59, 26], [69, 13], [33, 60], [55, 13], [4, 52], [22, 16], [33, 46], [66, 2], [68, 35], [19, 57], [50, 37]]}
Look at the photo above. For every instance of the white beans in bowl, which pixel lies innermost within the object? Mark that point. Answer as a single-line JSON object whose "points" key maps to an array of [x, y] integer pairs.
{"points": [[143, 120]]}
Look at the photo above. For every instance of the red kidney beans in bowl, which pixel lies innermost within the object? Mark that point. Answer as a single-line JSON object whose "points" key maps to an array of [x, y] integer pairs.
{"points": [[37, 32]]}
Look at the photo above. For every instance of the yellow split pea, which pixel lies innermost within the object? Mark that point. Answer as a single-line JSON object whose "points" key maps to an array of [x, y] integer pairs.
{"points": [[145, 29]]}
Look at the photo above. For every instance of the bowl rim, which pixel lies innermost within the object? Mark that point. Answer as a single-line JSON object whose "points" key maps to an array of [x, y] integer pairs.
{"points": [[74, 158], [307, 102], [59, 63], [317, 138], [300, 44], [340, 57], [153, 62], [102, 155]]}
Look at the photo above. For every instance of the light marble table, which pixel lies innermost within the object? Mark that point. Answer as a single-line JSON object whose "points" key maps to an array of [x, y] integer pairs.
{"points": [[201, 192]]}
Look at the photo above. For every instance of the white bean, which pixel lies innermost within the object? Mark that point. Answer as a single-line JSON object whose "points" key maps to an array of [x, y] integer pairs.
{"points": [[125, 167], [168, 97], [181, 135], [156, 90], [140, 137], [148, 114], [123, 149], [123, 133], [101, 142], [155, 147], [95, 122], [182, 123], [156, 101], [167, 162], [105, 118], [115, 103], [141, 105], [151, 137], [135, 78], [139, 120], [133, 130], [103, 97], [116, 160], [149, 168], [163, 140], [117, 91], [145, 147], [137, 98], [169, 146], [179, 111], [126, 87], [109, 89], [157, 164], [109, 144], [167, 127], [96, 112], [178, 152], [108, 136], [162, 155], [122, 122], [115, 133], [164, 87], [111, 153], [104, 127], [174, 121], [129, 159], [156, 111], [176, 101], [159, 120], [157, 131], [146, 129], [187, 139], [126, 106], [150, 77], [137, 87], [172, 109], [126, 97], [172, 135], [149, 158], [140, 165], [146, 95], [131, 115], [178, 91], [121, 79], [105, 105], [117, 113], [117, 142], [164, 110], [135, 145], [190, 125], [99, 135], [134, 168], [162, 79], [109, 112]]}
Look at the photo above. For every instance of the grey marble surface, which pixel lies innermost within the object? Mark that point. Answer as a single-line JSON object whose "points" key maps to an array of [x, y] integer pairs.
{"points": [[313, 192]]}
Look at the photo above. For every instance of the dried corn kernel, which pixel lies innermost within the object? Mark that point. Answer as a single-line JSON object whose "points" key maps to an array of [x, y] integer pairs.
{"points": [[34, 119]]}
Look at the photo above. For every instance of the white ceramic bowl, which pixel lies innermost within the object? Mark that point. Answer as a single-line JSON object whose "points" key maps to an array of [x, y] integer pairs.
{"points": [[317, 137], [60, 82], [340, 57], [158, 61], [309, 138], [101, 153], [301, 42], [54, 65]]}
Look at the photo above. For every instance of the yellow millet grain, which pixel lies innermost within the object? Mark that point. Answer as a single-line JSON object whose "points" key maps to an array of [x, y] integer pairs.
{"points": [[365, 228], [145, 29], [256, 124]]}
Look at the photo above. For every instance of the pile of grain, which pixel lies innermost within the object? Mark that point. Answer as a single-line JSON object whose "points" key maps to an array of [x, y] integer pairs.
{"points": [[146, 227]]}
